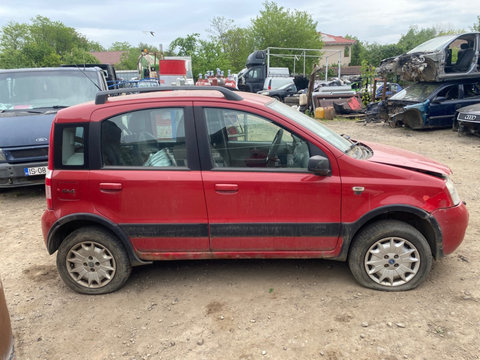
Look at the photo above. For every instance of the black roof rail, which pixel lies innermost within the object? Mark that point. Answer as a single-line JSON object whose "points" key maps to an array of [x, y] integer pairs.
{"points": [[102, 96]]}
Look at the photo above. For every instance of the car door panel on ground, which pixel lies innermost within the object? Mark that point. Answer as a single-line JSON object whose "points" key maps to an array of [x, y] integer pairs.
{"points": [[249, 189], [149, 182]]}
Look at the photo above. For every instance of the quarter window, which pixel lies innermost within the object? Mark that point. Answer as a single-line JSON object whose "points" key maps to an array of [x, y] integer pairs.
{"points": [[146, 138], [73, 141]]}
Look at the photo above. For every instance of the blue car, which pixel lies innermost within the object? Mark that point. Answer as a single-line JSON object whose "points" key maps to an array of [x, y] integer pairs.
{"points": [[431, 105], [29, 100]]}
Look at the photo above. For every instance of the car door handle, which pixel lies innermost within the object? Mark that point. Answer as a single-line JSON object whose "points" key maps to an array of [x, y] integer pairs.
{"points": [[226, 188], [111, 186]]}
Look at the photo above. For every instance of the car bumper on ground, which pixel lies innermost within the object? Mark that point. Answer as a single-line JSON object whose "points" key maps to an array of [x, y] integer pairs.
{"points": [[24, 174], [453, 224]]}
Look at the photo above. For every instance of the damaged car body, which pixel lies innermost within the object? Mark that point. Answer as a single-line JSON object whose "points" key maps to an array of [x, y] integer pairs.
{"points": [[442, 58], [430, 105]]}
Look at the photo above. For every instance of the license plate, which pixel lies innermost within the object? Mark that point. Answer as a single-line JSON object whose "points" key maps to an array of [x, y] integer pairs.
{"points": [[39, 170]]}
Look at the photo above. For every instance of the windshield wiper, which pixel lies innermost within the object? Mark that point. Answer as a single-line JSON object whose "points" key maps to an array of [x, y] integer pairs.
{"points": [[353, 142]]}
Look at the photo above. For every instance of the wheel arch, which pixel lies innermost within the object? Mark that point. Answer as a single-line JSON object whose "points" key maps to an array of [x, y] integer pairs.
{"points": [[418, 218], [64, 226], [413, 118]]}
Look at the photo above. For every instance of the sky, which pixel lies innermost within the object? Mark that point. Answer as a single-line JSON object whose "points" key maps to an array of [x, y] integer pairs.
{"points": [[107, 21]]}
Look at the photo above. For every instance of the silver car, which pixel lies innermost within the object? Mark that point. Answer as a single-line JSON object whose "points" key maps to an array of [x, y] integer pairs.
{"points": [[447, 57]]}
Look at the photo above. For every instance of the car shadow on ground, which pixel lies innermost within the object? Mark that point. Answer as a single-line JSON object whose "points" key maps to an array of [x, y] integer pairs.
{"points": [[27, 191], [241, 272]]}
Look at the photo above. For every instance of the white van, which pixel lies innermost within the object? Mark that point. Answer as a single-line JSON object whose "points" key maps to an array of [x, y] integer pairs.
{"points": [[274, 82]]}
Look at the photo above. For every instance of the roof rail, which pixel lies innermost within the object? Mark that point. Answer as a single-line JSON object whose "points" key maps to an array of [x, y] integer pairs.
{"points": [[102, 96]]}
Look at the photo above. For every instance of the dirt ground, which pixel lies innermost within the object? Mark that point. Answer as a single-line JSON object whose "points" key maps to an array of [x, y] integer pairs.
{"points": [[253, 309]]}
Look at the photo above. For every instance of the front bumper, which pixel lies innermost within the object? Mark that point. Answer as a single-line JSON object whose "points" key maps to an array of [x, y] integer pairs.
{"points": [[13, 175], [453, 223]]}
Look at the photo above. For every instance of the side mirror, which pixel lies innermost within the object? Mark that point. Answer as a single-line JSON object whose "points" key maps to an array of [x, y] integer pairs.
{"points": [[319, 165]]}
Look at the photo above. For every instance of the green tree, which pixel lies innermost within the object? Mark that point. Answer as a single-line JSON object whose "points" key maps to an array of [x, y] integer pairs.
{"points": [[120, 46], [476, 27], [375, 53], [186, 46], [206, 55], [129, 59], [239, 44], [357, 52], [415, 37], [236, 42], [280, 27], [43, 43]]}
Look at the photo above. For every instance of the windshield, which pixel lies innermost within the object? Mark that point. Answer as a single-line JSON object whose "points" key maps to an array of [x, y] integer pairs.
{"points": [[42, 89], [433, 45], [416, 92], [314, 126]]}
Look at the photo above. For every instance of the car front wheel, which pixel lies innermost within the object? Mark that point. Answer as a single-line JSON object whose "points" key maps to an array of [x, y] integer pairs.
{"points": [[92, 261], [390, 255]]}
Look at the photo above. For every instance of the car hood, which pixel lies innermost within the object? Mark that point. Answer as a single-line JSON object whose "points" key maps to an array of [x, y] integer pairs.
{"points": [[388, 155], [24, 129], [475, 108]]}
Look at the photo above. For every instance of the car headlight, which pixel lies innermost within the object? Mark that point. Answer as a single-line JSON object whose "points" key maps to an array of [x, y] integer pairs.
{"points": [[453, 191], [2, 156]]}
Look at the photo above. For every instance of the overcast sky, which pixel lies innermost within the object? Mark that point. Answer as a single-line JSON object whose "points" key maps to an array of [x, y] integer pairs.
{"points": [[107, 21]]}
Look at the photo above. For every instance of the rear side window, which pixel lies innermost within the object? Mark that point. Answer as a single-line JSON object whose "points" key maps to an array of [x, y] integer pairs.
{"points": [[471, 90], [145, 138], [73, 146]]}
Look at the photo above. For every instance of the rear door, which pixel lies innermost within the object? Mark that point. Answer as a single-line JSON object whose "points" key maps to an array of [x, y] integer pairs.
{"points": [[148, 179], [260, 196]]}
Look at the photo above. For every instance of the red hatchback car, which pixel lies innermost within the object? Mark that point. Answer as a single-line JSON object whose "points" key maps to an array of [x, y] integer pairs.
{"points": [[191, 173]]}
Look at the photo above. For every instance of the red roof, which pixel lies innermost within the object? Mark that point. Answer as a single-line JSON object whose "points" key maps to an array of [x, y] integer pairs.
{"points": [[335, 40], [108, 57]]}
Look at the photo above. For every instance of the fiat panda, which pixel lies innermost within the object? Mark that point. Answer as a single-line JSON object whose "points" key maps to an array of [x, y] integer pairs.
{"points": [[158, 174]]}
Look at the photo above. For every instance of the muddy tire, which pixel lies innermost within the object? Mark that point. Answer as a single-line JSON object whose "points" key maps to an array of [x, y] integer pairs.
{"points": [[92, 261], [390, 255]]}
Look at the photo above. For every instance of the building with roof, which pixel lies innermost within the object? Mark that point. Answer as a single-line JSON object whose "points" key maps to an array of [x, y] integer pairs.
{"points": [[336, 49], [108, 57]]}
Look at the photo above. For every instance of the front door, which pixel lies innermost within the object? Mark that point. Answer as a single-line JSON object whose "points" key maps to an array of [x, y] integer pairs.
{"points": [[260, 196]]}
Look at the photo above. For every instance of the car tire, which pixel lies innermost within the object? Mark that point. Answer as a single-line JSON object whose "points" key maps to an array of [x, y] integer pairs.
{"points": [[92, 261], [390, 255]]}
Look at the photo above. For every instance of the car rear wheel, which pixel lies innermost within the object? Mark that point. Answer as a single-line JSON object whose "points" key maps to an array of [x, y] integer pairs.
{"points": [[390, 255], [92, 261]]}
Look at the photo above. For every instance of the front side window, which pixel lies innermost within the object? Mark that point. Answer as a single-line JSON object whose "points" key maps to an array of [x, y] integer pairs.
{"points": [[146, 138], [255, 73], [449, 93], [243, 140]]}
